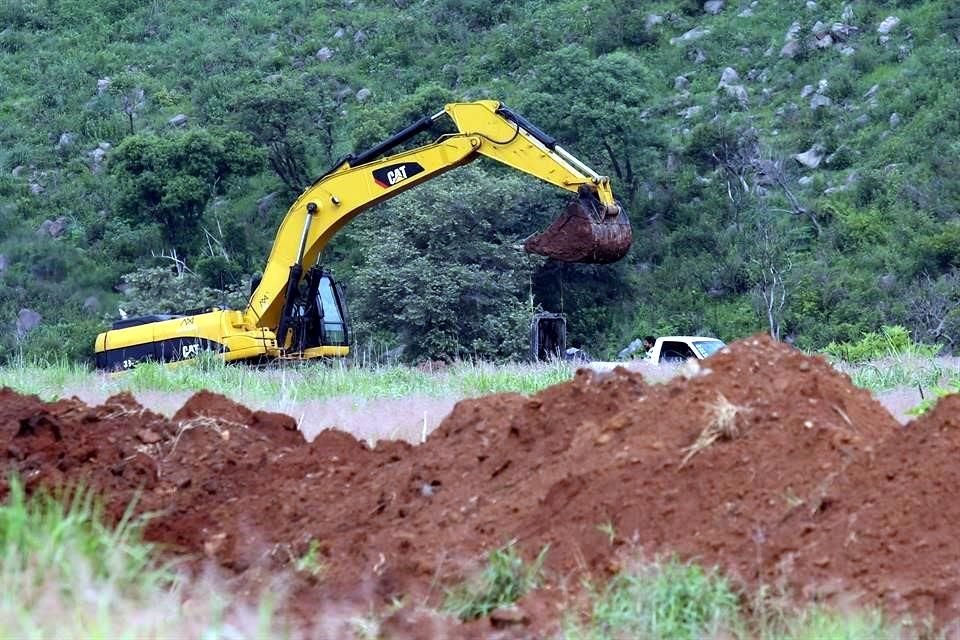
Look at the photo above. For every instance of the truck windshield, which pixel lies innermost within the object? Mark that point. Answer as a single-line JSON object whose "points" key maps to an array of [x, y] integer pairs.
{"points": [[709, 347]]}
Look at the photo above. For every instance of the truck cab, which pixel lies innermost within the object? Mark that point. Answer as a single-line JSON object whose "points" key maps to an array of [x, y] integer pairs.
{"points": [[679, 349]]}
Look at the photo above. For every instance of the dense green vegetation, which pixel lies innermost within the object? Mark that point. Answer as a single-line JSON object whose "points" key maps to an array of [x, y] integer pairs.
{"points": [[172, 135]]}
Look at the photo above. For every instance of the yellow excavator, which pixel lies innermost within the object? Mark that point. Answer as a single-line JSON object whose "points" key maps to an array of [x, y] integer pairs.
{"points": [[298, 313]]}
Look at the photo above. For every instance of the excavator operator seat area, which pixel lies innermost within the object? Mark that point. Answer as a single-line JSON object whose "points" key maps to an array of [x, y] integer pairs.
{"points": [[330, 302]]}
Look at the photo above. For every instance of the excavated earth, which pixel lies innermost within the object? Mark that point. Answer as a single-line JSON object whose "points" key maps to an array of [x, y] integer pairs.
{"points": [[764, 462]]}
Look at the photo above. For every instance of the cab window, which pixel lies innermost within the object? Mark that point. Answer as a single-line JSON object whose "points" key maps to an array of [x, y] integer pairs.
{"points": [[334, 327], [675, 352]]}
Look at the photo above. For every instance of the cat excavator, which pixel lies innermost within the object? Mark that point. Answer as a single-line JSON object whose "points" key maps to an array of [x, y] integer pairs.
{"points": [[298, 312]]}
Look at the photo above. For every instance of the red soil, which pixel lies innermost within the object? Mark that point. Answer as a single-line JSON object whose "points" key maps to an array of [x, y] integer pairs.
{"points": [[813, 487]]}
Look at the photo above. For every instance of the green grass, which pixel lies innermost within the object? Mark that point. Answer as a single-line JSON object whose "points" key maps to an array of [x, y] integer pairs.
{"points": [[310, 381], [661, 600], [319, 381], [894, 372], [505, 579], [66, 573], [672, 600]]}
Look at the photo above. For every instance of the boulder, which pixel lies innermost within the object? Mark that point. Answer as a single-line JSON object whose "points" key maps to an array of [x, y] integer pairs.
{"points": [[363, 94], [819, 101], [102, 85], [887, 281], [793, 33], [324, 54], [66, 140], [842, 31], [18, 170], [807, 90], [895, 120], [680, 83], [359, 38], [693, 34], [179, 120], [3, 263], [889, 24], [27, 321], [824, 41], [713, 7], [810, 158], [738, 93], [690, 112], [264, 203], [729, 76], [97, 156], [91, 305], [339, 33], [36, 188], [53, 228], [791, 49], [652, 21]]}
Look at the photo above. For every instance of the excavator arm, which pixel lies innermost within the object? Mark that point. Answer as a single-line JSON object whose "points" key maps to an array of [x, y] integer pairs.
{"points": [[280, 314]]}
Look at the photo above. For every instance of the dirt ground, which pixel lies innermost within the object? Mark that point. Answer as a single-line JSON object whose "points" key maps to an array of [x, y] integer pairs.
{"points": [[765, 462]]}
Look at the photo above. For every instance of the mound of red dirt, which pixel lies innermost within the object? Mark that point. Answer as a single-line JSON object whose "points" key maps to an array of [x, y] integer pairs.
{"points": [[765, 462]]}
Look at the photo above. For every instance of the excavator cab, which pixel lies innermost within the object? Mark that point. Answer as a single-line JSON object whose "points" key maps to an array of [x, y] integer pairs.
{"points": [[317, 315]]}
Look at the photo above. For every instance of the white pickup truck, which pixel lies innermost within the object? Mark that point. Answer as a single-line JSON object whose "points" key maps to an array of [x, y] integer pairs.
{"points": [[679, 349], [668, 350]]}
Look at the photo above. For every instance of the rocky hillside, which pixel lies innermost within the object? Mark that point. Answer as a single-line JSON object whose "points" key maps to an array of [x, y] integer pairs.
{"points": [[789, 166]]}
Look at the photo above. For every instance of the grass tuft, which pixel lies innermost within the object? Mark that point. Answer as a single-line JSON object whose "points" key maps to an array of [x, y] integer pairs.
{"points": [[664, 599], [504, 580], [66, 573]]}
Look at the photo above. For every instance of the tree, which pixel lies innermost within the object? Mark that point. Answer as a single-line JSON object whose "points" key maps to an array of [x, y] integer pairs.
{"points": [[289, 120], [171, 179], [614, 134], [441, 270]]}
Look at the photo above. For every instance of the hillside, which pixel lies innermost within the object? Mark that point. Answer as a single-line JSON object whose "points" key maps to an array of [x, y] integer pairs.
{"points": [[789, 166]]}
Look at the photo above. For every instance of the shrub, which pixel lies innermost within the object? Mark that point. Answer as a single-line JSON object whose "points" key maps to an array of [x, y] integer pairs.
{"points": [[889, 341]]}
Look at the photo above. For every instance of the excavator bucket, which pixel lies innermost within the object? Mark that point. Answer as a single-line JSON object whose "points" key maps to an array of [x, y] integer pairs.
{"points": [[587, 231]]}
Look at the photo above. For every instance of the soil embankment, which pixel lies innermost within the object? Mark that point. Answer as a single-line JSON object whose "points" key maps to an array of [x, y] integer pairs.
{"points": [[767, 463]]}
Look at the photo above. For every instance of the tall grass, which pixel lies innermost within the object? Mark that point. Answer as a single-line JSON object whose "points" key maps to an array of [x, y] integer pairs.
{"points": [[293, 383], [899, 371], [64, 573]]}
